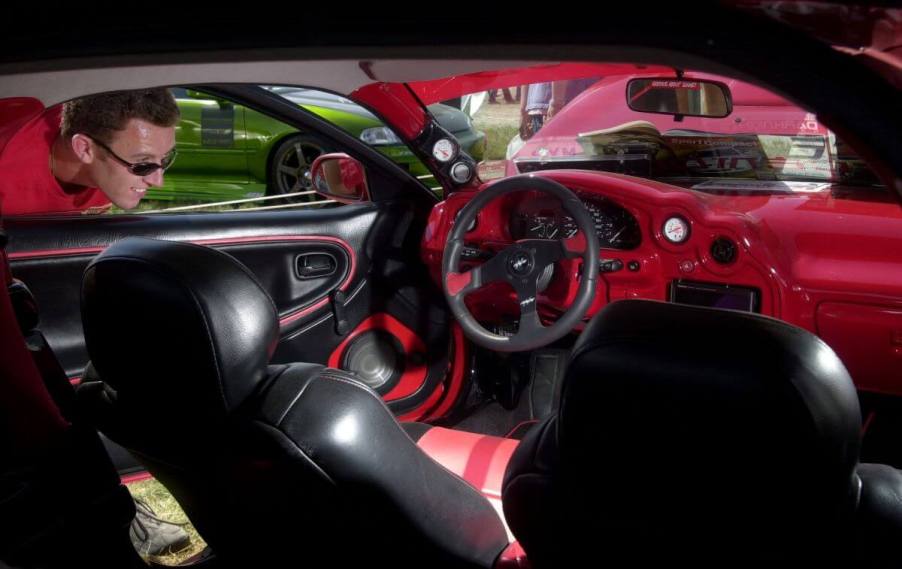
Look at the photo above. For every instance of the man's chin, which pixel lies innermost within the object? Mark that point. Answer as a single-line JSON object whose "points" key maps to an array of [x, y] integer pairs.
{"points": [[130, 199]]}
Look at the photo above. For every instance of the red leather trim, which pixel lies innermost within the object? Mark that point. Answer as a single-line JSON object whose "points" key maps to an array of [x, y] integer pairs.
{"points": [[288, 319], [284, 320], [478, 459], [576, 244], [136, 477], [31, 418], [414, 374], [41, 253], [422, 412], [513, 558], [457, 281]]}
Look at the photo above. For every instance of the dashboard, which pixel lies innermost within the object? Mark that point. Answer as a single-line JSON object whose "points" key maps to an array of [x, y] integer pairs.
{"points": [[824, 261]]}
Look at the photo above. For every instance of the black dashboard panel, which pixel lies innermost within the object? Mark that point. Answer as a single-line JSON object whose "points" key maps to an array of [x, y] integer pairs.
{"points": [[544, 218]]}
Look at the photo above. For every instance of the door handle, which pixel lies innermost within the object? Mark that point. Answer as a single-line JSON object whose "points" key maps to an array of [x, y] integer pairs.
{"points": [[315, 265]]}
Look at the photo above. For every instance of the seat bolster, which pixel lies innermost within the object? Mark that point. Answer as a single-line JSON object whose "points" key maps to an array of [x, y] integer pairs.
{"points": [[879, 516], [528, 492], [392, 490]]}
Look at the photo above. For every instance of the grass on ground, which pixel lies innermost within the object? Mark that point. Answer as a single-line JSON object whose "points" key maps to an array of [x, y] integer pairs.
{"points": [[163, 503]]}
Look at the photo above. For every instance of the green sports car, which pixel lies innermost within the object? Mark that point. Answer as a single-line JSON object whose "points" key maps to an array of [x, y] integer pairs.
{"points": [[227, 151]]}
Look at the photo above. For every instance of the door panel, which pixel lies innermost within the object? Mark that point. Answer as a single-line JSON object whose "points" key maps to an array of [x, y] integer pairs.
{"points": [[51, 255], [376, 270]]}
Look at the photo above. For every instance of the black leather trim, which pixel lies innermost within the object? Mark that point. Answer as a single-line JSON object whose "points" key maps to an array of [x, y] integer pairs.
{"points": [[208, 324], [272, 263], [56, 281], [672, 432], [347, 431], [415, 430], [878, 523], [350, 222]]}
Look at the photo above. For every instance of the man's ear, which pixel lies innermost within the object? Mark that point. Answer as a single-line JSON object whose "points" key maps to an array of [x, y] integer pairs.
{"points": [[84, 148]]}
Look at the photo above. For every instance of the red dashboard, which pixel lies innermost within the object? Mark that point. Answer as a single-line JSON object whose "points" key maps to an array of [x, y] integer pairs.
{"points": [[823, 261]]}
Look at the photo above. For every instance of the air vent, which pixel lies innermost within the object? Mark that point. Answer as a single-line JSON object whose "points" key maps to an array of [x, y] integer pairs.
{"points": [[723, 250]]}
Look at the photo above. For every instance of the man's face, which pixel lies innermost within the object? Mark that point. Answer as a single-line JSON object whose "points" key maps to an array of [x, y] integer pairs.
{"points": [[140, 141]]}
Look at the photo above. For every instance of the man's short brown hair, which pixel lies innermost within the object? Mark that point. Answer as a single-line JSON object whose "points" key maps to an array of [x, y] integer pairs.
{"points": [[99, 116]]}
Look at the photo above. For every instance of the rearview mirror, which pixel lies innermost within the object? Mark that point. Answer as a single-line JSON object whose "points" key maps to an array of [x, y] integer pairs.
{"points": [[339, 177], [680, 97]]}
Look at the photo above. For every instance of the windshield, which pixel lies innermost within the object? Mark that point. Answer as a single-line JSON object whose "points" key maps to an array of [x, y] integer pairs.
{"points": [[754, 142]]}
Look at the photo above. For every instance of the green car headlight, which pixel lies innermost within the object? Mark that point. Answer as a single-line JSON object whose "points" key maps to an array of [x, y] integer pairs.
{"points": [[379, 136]]}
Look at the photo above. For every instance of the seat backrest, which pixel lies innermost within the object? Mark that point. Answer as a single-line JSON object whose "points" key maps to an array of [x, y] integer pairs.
{"points": [[710, 436], [269, 462]]}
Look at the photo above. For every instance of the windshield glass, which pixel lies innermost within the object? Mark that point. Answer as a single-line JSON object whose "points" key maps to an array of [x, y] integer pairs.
{"points": [[755, 141]]}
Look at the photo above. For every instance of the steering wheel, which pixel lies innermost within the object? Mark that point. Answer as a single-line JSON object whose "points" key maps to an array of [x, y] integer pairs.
{"points": [[521, 264]]}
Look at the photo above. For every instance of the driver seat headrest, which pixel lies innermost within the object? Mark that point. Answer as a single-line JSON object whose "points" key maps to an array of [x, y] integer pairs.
{"points": [[179, 331]]}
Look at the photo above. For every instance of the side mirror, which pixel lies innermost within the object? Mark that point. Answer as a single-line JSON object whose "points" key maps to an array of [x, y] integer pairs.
{"points": [[680, 97], [339, 177]]}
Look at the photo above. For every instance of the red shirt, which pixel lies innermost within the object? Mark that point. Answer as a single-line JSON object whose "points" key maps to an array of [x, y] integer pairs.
{"points": [[26, 184]]}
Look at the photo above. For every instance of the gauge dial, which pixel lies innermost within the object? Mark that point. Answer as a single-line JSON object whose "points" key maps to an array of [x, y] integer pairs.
{"points": [[676, 229], [542, 227], [443, 150]]}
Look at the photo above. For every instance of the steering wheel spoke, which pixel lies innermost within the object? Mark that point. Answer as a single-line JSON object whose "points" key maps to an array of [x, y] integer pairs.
{"points": [[530, 325], [527, 297], [545, 251], [493, 270]]}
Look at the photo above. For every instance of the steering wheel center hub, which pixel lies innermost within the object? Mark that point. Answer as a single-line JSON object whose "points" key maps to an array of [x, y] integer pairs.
{"points": [[520, 263]]}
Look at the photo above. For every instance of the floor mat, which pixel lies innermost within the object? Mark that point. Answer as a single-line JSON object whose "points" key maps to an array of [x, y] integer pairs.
{"points": [[491, 418]]}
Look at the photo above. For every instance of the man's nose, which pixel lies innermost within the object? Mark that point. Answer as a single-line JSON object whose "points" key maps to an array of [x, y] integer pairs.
{"points": [[155, 179]]}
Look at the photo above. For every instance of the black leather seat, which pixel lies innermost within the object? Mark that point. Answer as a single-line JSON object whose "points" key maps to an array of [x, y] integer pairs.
{"points": [[273, 464], [701, 436]]}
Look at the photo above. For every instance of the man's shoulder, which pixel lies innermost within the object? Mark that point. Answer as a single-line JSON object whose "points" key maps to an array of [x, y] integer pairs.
{"points": [[26, 184], [28, 135], [23, 115]]}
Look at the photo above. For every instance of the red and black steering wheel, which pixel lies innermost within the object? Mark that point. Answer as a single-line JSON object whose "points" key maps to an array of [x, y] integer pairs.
{"points": [[521, 264]]}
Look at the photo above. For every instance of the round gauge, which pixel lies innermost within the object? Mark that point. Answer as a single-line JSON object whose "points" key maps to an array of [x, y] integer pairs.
{"points": [[443, 150], [676, 229], [568, 227], [541, 226], [461, 172]]}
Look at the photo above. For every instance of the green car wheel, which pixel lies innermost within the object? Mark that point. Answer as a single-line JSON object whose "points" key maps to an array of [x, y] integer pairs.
{"points": [[289, 170]]}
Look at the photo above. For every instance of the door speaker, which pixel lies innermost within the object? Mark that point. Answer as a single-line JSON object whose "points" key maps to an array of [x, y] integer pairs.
{"points": [[376, 358]]}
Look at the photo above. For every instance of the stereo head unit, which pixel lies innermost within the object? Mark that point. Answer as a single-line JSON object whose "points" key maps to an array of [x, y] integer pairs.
{"points": [[716, 295]]}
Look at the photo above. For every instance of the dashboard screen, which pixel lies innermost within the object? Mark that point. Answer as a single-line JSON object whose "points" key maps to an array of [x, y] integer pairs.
{"points": [[715, 295]]}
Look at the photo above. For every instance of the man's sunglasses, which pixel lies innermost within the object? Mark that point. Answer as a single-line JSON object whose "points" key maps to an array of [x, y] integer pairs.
{"points": [[139, 168]]}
